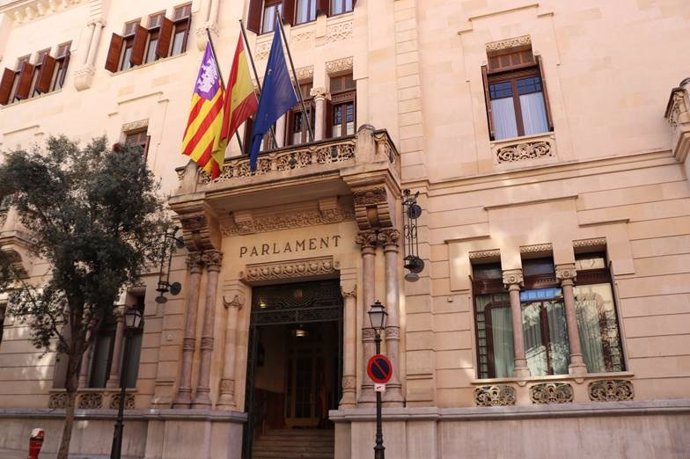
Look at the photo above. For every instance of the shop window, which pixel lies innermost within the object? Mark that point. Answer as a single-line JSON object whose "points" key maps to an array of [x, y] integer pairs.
{"points": [[341, 109], [516, 98]]}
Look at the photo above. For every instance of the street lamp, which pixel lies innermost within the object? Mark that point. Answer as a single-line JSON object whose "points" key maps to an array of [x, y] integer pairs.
{"points": [[133, 322], [377, 317]]}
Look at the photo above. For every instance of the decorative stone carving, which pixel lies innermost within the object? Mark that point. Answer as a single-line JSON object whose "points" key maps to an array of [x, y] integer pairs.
{"points": [[512, 276], [370, 196], [261, 50], [545, 249], [213, 259], [297, 38], [366, 239], [115, 401], [484, 254], [83, 77], [339, 66], [287, 160], [599, 242], [90, 400], [368, 334], [388, 237], [524, 151], [677, 110], [196, 231], [566, 272], [227, 386], [135, 125], [339, 31], [25, 12], [58, 400], [202, 34], [508, 43], [291, 220], [348, 293], [392, 332], [290, 269], [494, 395], [305, 73], [610, 390], [319, 93], [237, 302], [194, 261], [548, 393]]}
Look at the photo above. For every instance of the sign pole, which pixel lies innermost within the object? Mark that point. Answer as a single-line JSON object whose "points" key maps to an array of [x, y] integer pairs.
{"points": [[379, 449]]}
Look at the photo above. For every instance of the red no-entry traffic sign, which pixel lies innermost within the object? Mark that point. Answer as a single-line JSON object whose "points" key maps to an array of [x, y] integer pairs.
{"points": [[379, 369]]}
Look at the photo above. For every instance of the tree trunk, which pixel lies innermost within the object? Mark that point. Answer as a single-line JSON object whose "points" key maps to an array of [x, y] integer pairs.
{"points": [[71, 384]]}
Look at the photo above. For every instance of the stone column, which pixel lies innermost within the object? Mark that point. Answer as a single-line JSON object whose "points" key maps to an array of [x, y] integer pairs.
{"points": [[114, 378], [95, 40], [84, 368], [320, 95], [212, 260], [349, 382], [513, 279], [367, 240], [184, 391], [566, 273], [389, 239], [226, 401]]}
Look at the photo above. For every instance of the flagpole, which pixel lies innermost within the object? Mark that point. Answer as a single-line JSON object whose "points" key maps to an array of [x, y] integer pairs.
{"points": [[294, 74], [220, 75], [256, 74]]}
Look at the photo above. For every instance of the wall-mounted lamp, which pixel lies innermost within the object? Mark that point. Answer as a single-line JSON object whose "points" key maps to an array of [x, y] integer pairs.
{"points": [[170, 243], [411, 212]]}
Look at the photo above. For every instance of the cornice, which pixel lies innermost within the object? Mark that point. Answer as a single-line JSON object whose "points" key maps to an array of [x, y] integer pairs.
{"points": [[23, 11]]}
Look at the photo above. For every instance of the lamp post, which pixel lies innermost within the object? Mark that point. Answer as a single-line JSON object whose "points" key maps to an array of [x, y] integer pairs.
{"points": [[133, 322], [377, 317]]}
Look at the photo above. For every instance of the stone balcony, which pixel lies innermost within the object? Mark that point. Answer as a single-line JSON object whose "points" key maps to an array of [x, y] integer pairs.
{"points": [[328, 175]]}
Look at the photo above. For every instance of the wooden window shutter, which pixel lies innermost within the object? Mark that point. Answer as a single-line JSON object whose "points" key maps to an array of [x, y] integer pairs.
{"points": [[247, 137], [139, 46], [45, 77], [254, 16], [323, 7], [164, 38], [113, 59], [549, 120], [6, 86], [289, 11], [487, 99], [25, 76]]}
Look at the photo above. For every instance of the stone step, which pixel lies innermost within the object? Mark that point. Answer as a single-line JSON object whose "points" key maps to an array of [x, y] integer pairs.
{"points": [[297, 443]]}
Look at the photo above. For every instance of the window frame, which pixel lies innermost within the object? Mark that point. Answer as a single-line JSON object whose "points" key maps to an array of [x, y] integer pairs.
{"points": [[305, 89], [331, 8], [181, 23], [312, 11], [511, 65], [342, 94]]}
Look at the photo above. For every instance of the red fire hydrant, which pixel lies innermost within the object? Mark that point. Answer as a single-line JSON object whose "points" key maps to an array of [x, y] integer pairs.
{"points": [[35, 443]]}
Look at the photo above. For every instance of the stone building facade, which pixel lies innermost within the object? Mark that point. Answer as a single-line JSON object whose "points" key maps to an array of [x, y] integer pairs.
{"points": [[546, 144]]}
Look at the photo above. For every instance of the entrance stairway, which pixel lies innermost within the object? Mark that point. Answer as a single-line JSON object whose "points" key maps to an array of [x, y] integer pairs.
{"points": [[295, 443]]}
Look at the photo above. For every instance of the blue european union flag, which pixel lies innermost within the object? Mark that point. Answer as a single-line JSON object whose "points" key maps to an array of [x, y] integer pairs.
{"points": [[277, 96]]}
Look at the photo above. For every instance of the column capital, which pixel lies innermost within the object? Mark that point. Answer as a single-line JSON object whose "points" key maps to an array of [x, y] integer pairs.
{"points": [[367, 239], [194, 262], [389, 238], [566, 272], [319, 94], [213, 259], [349, 291], [513, 277], [237, 302]]}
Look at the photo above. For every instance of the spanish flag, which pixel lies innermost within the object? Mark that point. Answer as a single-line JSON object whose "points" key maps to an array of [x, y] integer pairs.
{"points": [[241, 101], [202, 139]]}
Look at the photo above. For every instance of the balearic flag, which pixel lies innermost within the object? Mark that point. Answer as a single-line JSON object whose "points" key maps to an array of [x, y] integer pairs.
{"points": [[240, 99], [202, 140], [277, 96]]}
